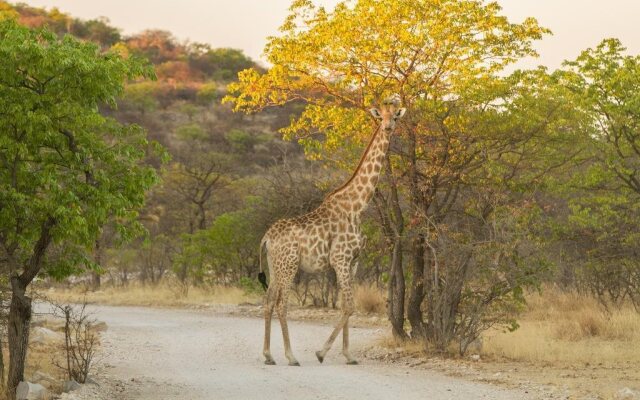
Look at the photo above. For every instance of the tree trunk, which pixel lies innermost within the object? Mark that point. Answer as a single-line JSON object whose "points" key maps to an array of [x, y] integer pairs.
{"points": [[20, 309], [395, 219], [18, 334], [416, 293], [96, 281], [418, 203], [1, 361], [396, 291], [95, 275]]}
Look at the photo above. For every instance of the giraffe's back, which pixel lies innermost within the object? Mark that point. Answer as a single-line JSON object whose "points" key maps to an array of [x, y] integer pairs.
{"points": [[309, 235]]}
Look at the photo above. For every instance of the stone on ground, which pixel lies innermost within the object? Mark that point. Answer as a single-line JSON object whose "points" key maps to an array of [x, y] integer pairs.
{"points": [[627, 394], [30, 391], [40, 335], [43, 379], [70, 386], [100, 326]]}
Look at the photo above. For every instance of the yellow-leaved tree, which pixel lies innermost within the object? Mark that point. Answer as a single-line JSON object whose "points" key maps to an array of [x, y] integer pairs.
{"points": [[443, 60]]}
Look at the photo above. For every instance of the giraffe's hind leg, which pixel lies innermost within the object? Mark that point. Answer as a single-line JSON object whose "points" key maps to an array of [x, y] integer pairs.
{"points": [[289, 268], [269, 304]]}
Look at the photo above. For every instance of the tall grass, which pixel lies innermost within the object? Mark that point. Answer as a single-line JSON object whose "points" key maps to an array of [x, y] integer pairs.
{"points": [[369, 299], [162, 295], [569, 327]]}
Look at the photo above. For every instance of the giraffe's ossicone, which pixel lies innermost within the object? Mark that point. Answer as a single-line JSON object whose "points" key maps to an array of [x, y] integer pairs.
{"points": [[328, 236]]}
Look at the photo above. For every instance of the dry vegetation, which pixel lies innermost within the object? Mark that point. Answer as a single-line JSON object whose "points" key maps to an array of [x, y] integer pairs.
{"points": [[41, 359], [569, 327], [162, 295], [566, 340], [369, 299]]}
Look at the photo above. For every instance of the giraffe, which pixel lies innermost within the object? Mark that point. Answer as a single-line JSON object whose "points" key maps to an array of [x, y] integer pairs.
{"points": [[329, 236]]}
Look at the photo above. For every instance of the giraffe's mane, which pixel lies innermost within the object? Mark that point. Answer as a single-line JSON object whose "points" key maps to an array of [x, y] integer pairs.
{"points": [[364, 155]]}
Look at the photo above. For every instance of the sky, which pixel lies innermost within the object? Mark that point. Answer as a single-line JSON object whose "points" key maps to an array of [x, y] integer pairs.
{"points": [[246, 24]]}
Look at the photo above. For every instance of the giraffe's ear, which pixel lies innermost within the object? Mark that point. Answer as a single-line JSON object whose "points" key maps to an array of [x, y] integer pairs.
{"points": [[376, 113], [400, 113]]}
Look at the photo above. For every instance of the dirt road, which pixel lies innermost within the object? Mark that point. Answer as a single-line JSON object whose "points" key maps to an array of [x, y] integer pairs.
{"points": [[179, 354]]}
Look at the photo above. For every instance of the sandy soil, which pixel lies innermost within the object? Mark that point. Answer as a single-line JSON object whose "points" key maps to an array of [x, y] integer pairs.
{"points": [[188, 354]]}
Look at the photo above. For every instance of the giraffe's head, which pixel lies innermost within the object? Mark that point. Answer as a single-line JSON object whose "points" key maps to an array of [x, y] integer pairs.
{"points": [[388, 114]]}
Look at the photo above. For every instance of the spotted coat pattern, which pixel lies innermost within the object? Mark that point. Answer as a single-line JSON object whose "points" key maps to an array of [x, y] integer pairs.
{"points": [[328, 237]]}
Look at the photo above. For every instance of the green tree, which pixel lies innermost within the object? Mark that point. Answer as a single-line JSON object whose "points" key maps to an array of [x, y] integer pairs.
{"points": [[209, 93], [7, 11], [219, 64], [227, 251], [141, 96], [65, 168], [605, 218]]}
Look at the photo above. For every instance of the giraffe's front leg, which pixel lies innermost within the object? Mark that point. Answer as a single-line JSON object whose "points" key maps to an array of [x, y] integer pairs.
{"points": [[344, 280], [345, 344]]}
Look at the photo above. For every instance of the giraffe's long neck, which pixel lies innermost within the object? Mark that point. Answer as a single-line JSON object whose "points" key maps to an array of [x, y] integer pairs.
{"points": [[355, 194]]}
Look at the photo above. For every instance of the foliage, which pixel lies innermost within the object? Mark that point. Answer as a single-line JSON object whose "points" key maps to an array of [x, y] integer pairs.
{"points": [[605, 213], [190, 132], [141, 96], [491, 181], [227, 250], [466, 128], [219, 64], [65, 167], [208, 93]]}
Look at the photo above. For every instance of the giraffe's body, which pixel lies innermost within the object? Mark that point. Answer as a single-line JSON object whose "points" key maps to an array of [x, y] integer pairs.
{"points": [[327, 237]]}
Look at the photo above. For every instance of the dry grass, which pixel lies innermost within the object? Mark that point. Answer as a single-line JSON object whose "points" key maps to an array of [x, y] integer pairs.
{"points": [[565, 340], [568, 327], [164, 295], [369, 299], [568, 340], [42, 358]]}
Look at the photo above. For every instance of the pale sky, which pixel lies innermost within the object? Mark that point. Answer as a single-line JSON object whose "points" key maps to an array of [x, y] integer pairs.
{"points": [[245, 24]]}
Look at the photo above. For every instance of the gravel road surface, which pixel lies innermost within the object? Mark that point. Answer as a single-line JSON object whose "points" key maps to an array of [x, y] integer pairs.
{"points": [[183, 354]]}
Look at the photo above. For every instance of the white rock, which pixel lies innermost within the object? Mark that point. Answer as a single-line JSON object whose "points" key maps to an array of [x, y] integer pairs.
{"points": [[70, 386], [627, 394], [40, 335], [100, 326], [30, 391], [43, 379], [91, 381], [475, 357]]}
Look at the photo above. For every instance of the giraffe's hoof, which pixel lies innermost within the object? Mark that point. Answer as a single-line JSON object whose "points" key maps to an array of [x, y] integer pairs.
{"points": [[320, 356], [294, 363], [269, 362], [352, 362]]}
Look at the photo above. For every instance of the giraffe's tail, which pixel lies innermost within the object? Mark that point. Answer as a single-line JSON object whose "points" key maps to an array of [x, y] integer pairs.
{"points": [[262, 277]]}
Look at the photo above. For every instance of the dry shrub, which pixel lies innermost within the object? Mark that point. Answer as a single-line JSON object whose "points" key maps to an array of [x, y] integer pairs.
{"points": [[369, 299], [582, 325]]}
